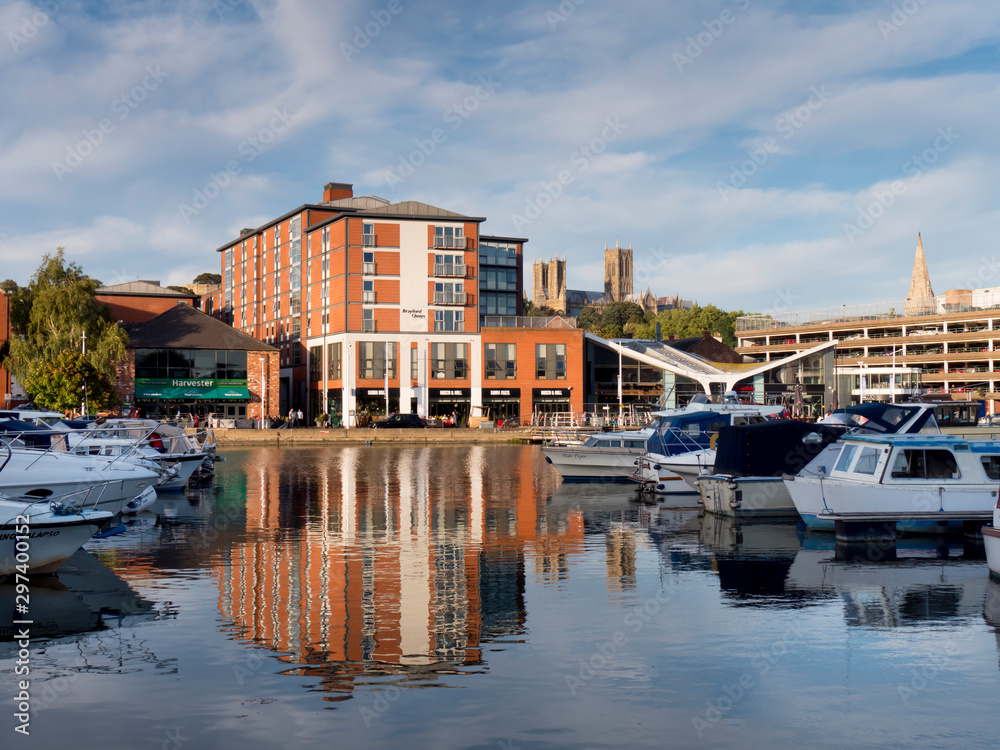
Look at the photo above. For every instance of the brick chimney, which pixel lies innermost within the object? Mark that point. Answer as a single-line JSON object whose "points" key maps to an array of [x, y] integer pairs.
{"points": [[334, 191]]}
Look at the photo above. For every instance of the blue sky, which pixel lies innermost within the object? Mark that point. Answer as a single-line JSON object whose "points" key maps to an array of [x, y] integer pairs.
{"points": [[757, 155]]}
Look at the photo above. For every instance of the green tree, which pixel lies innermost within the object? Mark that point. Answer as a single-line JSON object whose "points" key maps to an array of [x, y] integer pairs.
{"points": [[619, 314], [207, 278], [589, 319], [56, 310], [537, 312], [183, 289], [699, 320], [59, 384]]}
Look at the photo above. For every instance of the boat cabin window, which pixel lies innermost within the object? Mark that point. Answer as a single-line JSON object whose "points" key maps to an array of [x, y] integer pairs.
{"points": [[640, 444], [914, 463], [846, 455], [991, 465], [867, 460]]}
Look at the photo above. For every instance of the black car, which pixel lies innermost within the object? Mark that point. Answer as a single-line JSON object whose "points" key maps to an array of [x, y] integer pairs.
{"points": [[400, 420]]}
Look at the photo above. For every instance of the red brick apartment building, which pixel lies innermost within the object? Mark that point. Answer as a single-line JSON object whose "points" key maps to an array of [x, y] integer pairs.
{"points": [[370, 301], [12, 394], [139, 301]]}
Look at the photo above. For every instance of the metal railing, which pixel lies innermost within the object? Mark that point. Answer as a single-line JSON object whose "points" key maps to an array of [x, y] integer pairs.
{"points": [[368, 269], [368, 240], [449, 269], [449, 298], [449, 241]]}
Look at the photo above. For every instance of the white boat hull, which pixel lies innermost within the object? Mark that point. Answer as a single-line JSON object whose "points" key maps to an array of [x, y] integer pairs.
{"points": [[653, 477], [815, 497], [591, 465], [991, 543], [746, 496], [50, 539]]}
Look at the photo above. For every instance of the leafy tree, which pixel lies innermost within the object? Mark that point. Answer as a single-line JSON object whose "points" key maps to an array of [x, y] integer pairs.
{"points": [[207, 278], [55, 311], [619, 313], [590, 319], [537, 312], [183, 289], [698, 320], [59, 384]]}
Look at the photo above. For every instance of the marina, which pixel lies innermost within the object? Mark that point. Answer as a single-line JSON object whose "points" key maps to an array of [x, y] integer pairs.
{"points": [[464, 596]]}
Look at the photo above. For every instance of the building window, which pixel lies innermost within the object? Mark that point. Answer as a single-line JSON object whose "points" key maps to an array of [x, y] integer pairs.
{"points": [[333, 361], [368, 292], [550, 361], [501, 361], [190, 364], [449, 361], [449, 293], [372, 359], [449, 237], [497, 303], [368, 263], [315, 363], [449, 320], [449, 265], [414, 365], [368, 234], [368, 320]]}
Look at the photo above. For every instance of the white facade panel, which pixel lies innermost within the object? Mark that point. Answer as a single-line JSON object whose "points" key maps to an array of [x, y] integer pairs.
{"points": [[413, 310]]}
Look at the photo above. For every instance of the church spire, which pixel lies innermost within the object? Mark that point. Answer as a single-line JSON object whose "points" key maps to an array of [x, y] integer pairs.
{"points": [[920, 299]]}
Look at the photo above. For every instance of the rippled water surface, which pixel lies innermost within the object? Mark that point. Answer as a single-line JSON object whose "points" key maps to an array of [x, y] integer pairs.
{"points": [[463, 598]]}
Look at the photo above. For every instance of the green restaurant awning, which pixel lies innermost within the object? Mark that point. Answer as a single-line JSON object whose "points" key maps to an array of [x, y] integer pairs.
{"points": [[217, 393]]}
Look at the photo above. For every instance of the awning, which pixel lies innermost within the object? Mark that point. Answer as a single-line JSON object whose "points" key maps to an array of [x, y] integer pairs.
{"points": [[217, 393]]}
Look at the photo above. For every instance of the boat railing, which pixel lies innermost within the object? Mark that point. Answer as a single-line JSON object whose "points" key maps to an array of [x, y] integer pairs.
{"points": [[61, 438]]}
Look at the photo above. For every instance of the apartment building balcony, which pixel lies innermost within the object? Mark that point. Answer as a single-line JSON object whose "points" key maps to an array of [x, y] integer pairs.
{"points": [[450, 269], [449, 242], [449, 298], [368, 326], [367, 269], [367, 240], [368, 297]]}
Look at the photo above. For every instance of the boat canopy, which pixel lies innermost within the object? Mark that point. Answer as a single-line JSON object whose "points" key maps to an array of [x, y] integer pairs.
{"points": [[884, 418], [771, 448]]}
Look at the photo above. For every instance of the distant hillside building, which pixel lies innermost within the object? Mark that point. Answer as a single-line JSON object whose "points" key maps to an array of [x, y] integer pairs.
{"points": [[549, 286]]}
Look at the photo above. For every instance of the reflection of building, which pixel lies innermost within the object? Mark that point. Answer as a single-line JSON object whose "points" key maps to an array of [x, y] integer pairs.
{"points": [[403, 562], [939, 343]]}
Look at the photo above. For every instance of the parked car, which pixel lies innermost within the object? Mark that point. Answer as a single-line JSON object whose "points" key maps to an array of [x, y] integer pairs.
{"points": [[400, 420]]}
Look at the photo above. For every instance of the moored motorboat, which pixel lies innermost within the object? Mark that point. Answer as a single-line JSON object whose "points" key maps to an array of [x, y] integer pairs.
{"points": [[991, 542], [914, 483], [37, 537]]}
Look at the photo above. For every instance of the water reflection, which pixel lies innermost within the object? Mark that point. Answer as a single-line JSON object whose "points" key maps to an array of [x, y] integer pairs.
{"points": [[369, 562]]}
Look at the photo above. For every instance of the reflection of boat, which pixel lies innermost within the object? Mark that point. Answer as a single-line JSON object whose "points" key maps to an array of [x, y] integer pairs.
{"points": [[991, 542], [880, 590], [921, 483], [83, 597], [38, 537]]}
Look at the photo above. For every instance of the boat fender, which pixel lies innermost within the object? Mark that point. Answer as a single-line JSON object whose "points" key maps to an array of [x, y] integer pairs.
{"points": [[661, 487], [733, 486], [656, 466], [788, 477], [548, 460]]}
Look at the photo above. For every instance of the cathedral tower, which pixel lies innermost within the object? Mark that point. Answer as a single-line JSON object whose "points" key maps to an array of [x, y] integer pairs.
{"points": [[618, 271], [920, 299]]}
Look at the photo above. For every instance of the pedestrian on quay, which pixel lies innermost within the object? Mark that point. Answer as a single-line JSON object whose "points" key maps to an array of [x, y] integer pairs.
{"points": [[291, 418]]}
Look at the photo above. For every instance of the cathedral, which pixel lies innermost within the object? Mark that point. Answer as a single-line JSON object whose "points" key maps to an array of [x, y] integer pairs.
{"points": [[549, 286]]}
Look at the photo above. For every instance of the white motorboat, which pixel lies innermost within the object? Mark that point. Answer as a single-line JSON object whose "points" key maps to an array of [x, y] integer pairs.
{"points": [[95, 483], [37, 537], [683, 442], [600, 457], [991, 542], [746, 479], [920, 483]]}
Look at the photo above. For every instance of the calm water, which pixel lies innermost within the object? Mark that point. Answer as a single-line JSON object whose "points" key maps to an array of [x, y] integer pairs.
{"points": [[463, 598]]}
